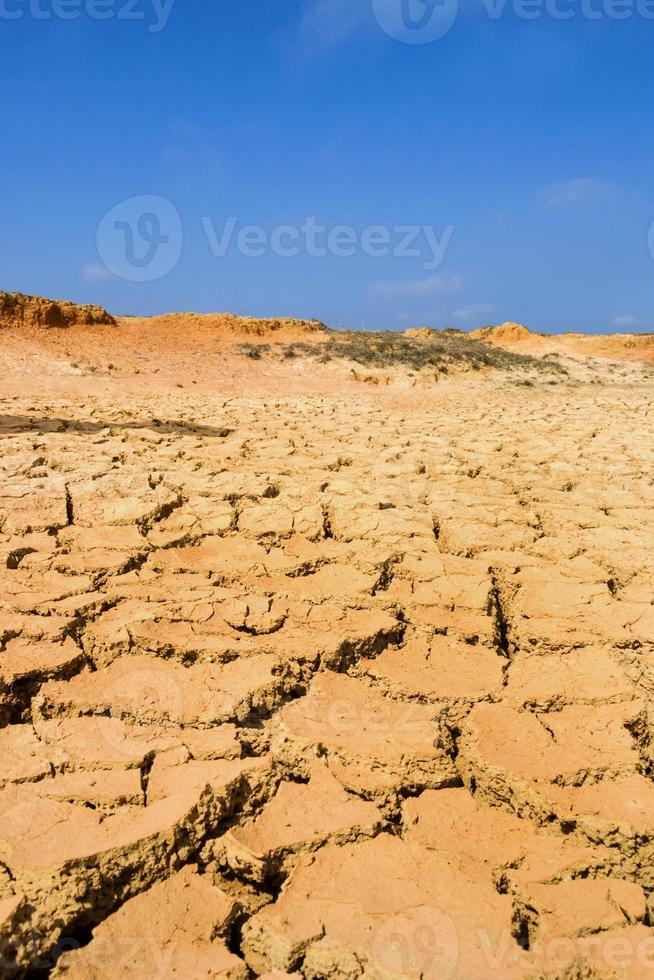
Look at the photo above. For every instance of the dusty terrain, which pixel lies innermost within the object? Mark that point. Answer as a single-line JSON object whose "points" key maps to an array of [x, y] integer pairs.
{"points": [[322, 666], [621, 347]]}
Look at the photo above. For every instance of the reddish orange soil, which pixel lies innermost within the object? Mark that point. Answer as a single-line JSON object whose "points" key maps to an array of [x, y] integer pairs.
{"points": [[301, 675]]}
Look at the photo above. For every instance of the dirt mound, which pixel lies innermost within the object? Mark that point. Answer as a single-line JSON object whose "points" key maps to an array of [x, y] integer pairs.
{"points": [[230, 323], [263, 327], [428, 333], [18, 310], [506, 332], [419, 333], [615, 347]]}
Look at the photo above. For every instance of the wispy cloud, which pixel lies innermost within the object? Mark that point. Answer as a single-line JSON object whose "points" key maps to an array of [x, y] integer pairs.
{"points": [[581, 192], [628, 322], [326, 23], [472, 314], [419, 288], [95, 272]]}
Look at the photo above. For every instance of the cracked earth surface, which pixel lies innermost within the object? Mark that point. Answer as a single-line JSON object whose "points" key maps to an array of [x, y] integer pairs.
{"points": [[350, 684]]}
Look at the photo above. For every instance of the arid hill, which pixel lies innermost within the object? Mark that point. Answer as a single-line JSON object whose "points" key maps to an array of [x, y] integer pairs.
{"points": [[17, 309], [229, 324], [615, 347], [506, 332]]}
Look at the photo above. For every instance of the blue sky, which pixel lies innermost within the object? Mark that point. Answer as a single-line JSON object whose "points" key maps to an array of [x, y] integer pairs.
{"points": [[525, 147]]}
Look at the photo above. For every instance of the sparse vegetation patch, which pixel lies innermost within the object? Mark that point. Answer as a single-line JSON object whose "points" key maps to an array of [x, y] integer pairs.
{"points": [[440, 352]]}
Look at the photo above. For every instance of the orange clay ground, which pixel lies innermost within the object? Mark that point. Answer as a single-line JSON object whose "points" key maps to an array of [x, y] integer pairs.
{"points": [[324, 665]]}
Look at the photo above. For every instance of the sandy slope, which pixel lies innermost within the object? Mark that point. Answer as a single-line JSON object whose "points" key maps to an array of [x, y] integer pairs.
{"points": [[618, 347], [305, 675]]}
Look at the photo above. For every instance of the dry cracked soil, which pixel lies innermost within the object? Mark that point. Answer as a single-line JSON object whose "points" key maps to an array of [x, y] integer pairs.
{"points": [[306, 676]]}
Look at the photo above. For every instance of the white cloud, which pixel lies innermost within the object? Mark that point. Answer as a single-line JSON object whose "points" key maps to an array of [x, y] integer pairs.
{"points": [[95, 272], [417, 288], [580, 192], [472, 314]]}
